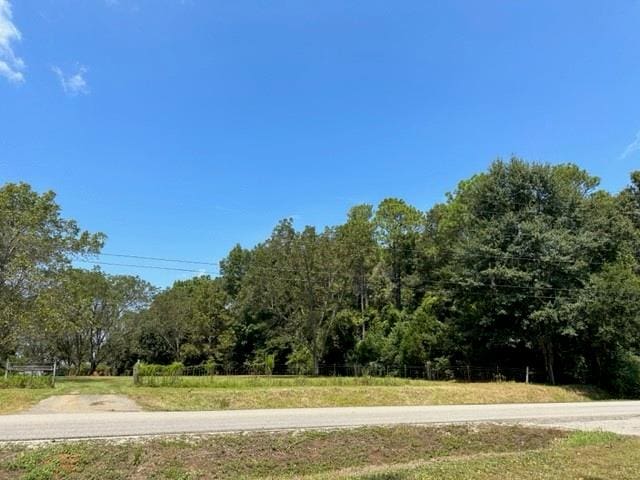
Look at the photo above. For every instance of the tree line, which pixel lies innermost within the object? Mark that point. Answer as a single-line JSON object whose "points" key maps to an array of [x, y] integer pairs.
{"points": [[524, 264]]}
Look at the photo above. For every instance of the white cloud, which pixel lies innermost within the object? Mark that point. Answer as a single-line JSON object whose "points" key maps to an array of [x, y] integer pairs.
{"points": [[74, 83], [632, 147], [11, 66]]}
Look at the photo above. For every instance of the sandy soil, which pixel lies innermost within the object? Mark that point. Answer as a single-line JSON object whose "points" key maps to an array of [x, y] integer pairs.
{"points": [[85, 404]]}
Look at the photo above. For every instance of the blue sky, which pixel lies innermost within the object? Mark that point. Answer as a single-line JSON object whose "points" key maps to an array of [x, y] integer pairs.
{"points": [[181, 127]]}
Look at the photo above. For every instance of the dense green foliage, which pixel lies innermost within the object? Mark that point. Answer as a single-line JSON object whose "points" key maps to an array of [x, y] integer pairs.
{"points": [[48, 309], [524, 265], [35, 244]]}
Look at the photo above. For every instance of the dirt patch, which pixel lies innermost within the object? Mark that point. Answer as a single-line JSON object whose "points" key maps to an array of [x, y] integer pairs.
{"points": [[85, 404]]}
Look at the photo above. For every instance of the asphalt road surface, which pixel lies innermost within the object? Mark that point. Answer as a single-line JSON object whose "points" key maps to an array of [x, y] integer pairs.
{"points": [[619, 416]]}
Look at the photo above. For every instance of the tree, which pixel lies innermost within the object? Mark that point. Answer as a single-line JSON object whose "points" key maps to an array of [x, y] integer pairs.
{"points": [[35, 244], [418, 338], [357, 245], [298, 278], [234, 268], [189, 322], [529, 236], [358, 250], [398, 226], [85, 311], [608, 314], [629, 200]]}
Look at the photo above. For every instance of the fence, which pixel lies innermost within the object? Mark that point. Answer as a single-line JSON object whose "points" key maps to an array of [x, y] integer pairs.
{"points": [[429, 371], [26, 371]]}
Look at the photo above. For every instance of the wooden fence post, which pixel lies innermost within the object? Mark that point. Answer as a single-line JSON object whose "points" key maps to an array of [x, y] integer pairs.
{"points": [[53, 374], [136, 379], [526, 378], [6, 370]]}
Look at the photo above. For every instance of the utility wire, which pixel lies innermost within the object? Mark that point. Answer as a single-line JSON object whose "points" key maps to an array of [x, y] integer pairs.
{"points": [[155, 267], [467, 284], [414, 249], [158, 259]]}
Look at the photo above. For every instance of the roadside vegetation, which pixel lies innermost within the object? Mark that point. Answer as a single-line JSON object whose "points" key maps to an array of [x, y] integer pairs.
{"points": [[219, 393], [382, 453], [525, 265], [26, 381], [581, 456]]}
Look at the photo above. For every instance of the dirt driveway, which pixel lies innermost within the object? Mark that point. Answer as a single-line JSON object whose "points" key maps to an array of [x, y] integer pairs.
{"points": [[85, 404]]}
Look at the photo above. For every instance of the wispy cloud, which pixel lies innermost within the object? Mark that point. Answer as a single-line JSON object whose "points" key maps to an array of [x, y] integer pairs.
{"points": [[632, 148], [11, 66], [73, 83]]}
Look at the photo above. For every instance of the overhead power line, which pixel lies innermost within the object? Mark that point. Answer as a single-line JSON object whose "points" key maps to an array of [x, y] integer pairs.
{"points": [[155, 267], [466, 284], [273, 268], [159, 259]]}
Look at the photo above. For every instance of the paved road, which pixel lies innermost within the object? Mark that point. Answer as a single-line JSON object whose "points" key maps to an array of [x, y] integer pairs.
{"points": [[622, 417]]}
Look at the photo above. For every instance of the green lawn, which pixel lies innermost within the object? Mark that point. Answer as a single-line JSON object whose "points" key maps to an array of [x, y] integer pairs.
{"points": [[383, 453], [281, 392]]}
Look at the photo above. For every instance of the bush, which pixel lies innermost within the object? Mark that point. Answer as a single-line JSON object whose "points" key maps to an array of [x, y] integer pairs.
{"points": [[624, 380], [103, 370], [153, 370], [26, 381], [442, 368], [159, 375], [210, 367], [269, 364], [300, 362]]}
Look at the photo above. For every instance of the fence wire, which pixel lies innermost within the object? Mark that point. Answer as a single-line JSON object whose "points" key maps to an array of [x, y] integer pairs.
{"points": [[466, 373]]}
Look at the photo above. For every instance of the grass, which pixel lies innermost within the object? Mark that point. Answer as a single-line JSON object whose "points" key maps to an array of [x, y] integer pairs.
{"points": [[26, 381], [271, 381], [15, 399], [263, 455], [382, 453], [282, 392], [581, 456]]}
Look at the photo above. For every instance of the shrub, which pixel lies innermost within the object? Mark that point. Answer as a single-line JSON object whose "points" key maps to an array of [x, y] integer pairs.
{"points": [[442, 368], [159, 375], [103, 370], [269, 364], [153, 370], [210, 367], [300, 362], [624, 380], [26, 381]]}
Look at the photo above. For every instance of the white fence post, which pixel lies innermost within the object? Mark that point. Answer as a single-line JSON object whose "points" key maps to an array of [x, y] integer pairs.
{"points": [[6, 370], [526, 378]]}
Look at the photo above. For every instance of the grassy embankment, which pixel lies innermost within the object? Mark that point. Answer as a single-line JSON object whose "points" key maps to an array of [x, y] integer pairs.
{"points": [[397, 453], [213, 393]]}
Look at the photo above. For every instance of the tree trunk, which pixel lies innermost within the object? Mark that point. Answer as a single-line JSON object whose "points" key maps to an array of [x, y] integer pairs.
{"points": [[397, 288], [547, 353], [316, 360]]}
